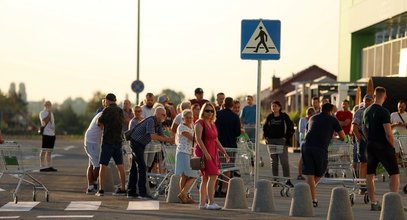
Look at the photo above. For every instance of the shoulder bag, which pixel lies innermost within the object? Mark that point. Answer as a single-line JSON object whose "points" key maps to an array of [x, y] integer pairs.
{"points": [[197, 163]]}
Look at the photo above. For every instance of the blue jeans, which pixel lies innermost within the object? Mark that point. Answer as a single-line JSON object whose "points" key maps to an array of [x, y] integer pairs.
{"points": [[138, 175]]}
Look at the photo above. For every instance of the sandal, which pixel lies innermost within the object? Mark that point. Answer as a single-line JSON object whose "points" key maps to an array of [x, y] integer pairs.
{"points": [[315, 203], [183, 198]]}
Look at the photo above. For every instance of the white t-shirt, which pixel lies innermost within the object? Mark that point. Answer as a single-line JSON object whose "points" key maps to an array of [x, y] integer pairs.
{"points": [[177, 119], [184, 144], [147, 112], [395, 118], [94, 133], [49, 129]]}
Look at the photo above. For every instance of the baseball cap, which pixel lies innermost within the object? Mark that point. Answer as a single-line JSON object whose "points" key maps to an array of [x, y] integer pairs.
{"points": [[110, 97], [162, 99], [367, 97], [198, 90]]}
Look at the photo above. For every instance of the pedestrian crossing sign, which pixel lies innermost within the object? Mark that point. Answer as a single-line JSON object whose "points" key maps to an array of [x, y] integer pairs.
{"points": [[260, 40]]}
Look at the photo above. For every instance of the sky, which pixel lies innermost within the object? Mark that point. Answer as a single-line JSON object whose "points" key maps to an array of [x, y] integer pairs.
{"points": [[73, 48]]}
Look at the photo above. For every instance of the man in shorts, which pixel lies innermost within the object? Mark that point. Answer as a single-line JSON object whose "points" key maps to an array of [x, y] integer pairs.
{"points": [[360, 156], [380, 146], [48, 138], [111, 121], [321, 128]]}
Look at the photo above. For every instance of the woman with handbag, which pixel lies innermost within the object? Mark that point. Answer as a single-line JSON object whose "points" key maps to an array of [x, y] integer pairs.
{"points": [[207, 147], [184, 140]]}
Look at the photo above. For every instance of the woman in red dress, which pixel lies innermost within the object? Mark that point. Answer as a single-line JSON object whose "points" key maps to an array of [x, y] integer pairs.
{"points": [[207, 147]]}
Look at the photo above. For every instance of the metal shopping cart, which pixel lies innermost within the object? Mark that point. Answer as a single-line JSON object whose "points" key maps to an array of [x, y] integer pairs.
{"points": [[401, 141], [165, 160], [14, 163], [277, 180], [340, 168]]}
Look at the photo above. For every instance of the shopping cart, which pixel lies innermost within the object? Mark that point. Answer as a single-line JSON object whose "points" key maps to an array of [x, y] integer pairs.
{"points": [[278, 180], [402, 145], [166, 161], [14, 164], [341, 171]]}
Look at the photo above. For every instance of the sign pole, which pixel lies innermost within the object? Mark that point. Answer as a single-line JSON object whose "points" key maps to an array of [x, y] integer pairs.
{"points": [[138, 49], [258, 107]]}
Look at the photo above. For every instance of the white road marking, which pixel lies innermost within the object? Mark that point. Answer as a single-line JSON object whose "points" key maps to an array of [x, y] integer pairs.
{"points": [[83, 205], [69, 147], [65, 216], [9, 217], [144, 205], [19, 207]]}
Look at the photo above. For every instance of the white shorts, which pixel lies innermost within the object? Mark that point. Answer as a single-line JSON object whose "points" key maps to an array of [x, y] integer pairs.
{"points": [[93, 152]]}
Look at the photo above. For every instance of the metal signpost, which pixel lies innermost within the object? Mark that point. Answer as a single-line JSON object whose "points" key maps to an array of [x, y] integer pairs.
{"points": [[260, 41]]}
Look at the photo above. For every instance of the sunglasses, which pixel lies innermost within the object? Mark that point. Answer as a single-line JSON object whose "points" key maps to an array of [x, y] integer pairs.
{"points": [[208, 110]]}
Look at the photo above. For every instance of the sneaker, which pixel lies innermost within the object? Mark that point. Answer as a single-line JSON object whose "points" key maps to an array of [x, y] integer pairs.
{"points": [[45, 169], [375, 207], [315, 203], [145, 196], [202, 206], [90, 190], [132, 196], [300, 177], [288, 183], [120, 192], [213, 206], [100, 193], [51, 169]]}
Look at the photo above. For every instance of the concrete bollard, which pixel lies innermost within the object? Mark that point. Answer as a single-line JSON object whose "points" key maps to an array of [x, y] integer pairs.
{"points": [[301, 203], [263, 197], [339, 205], [236, 195], [109, 183], [392, 207], [173, 190]]}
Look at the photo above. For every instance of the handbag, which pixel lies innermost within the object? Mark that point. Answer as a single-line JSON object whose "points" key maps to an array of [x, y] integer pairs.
{"points": [[196, 163], [41, 130]]}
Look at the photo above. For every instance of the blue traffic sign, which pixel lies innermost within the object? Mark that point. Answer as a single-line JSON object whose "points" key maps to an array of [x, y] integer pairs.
{"points": [[137, 86], [260, 40]]}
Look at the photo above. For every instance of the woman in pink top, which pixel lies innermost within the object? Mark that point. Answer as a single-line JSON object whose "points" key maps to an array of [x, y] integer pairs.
{"points": [[207, 147]]}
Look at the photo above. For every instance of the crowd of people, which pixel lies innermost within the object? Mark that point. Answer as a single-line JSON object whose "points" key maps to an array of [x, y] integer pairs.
{"points": [[200, 128]]}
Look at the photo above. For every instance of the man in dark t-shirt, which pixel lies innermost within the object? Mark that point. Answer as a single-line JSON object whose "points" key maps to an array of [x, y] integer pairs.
{"points": [[111, 121], [380, 146], [321, 128]]}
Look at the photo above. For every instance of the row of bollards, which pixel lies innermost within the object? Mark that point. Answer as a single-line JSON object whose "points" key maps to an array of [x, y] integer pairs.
{"points": [[301, 203]]}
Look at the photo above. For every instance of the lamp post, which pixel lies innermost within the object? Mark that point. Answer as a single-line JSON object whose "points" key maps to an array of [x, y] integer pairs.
{"points": [[138, 47]]}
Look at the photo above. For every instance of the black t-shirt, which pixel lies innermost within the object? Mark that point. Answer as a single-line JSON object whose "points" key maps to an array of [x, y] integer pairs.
{"points": [[321, 128], [278, 127], [228, 125], [374, 117], [112, 120]]}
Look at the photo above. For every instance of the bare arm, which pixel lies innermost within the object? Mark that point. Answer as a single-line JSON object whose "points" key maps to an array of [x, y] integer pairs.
{"points": [[222, 150], [341, 135], [48, 118], [157, 137], [389, 134], [187, 135], [355, 131]]}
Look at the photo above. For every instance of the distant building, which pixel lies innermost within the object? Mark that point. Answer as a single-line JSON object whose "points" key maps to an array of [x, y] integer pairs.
{"points": [[372, 39], [279, 89]]}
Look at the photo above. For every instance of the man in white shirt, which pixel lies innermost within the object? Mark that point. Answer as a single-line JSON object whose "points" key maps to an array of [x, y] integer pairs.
{"points": [[147, 109], [398, 119], [48, 138]]}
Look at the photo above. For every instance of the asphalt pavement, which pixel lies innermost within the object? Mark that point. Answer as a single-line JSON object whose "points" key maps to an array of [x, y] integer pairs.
{"points": [[67, 198]]}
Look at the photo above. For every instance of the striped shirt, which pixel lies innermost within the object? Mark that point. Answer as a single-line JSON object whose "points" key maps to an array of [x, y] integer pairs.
{"points": [[142, 133]]}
